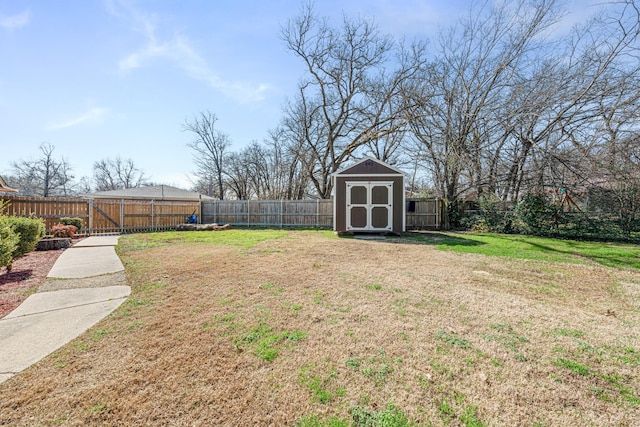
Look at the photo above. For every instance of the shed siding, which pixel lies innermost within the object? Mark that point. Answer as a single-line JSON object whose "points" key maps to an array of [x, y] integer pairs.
{"points": [[341, 198], [369, 167]]}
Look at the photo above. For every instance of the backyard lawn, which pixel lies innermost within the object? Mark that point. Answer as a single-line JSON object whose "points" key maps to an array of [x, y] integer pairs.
{"points": [[273, 327]]}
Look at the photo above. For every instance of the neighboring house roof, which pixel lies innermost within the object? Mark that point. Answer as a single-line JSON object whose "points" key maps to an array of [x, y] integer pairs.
{"points": [[156, 192], [4, 188]]}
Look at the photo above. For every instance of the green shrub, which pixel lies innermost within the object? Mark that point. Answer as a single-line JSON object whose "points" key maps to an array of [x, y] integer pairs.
{"points": [[536, 214], [29, 231], [8, 242], [475, 223], [78, 223], [454, 213]]}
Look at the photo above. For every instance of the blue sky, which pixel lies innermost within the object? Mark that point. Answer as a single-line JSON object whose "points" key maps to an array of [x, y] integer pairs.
{"points": [[102, 78]]}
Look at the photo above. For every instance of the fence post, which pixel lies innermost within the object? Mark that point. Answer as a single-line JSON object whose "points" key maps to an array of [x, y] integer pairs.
{"points": [[281, 212], [121, 216], [153, 226], [90, 216], [248, 214], [317, 213]]}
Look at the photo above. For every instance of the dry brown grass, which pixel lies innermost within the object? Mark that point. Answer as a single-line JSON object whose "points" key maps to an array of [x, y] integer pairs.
{"points": [[449, 339]]}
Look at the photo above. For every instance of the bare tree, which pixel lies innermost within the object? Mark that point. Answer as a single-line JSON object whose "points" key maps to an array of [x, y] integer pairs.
{"points": [[210, 146], [265, 171], [477, 64], [349, 97], [594, 84], [45, 176], [290, 178], [118, 173], [507, 108], [238, 176]]}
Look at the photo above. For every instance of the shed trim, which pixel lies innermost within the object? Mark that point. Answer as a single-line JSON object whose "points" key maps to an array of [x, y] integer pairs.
{"points": [[365, 159], [368, 175]]}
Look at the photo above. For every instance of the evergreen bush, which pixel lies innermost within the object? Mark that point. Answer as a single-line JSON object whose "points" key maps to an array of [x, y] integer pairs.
{"points": [[8, 242], [78, 223], [29, 231]]}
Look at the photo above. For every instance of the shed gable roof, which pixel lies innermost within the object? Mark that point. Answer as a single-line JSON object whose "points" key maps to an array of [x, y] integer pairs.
{"points": [[369, 166]]}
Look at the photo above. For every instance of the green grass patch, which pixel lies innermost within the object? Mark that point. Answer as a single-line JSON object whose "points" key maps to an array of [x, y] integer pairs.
{"points": [[99, 408], [574, 367], [377, 368], [240, 238], [453, 339], [98, 335], [315, 421], [267, 343], [535, 248], [457, 409], [320, 386], [563, 332], [390, 416], [470, 418], [628, 355], [507, 337]]}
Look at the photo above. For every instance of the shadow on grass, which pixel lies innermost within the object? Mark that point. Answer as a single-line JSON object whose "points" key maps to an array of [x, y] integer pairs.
{"points": [[433, 239], [528, 247], [608, 256]]}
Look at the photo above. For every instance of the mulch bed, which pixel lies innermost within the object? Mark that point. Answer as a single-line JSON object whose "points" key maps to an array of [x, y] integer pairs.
{"points": [[27, 274]]}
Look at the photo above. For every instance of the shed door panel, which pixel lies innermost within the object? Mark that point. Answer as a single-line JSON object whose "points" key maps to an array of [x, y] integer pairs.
{"points": [[359, 217], [369, 206]]}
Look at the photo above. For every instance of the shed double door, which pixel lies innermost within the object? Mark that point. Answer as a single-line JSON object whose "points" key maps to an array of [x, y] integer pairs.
{"points": [[369, 206]]}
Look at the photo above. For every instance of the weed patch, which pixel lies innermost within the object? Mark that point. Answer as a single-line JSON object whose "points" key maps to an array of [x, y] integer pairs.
{"points": [[267, 343], [508, 338], [321, 386], [452, 339], [391, 416]]}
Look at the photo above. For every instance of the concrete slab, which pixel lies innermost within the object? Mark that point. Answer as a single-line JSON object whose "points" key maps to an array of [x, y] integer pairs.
{"points": [[43, 302], [97, 241], [369, 237], [28, 336], [77, 262]]}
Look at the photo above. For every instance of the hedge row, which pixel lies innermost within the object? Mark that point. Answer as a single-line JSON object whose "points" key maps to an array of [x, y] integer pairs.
{"points": [[536, 214]]}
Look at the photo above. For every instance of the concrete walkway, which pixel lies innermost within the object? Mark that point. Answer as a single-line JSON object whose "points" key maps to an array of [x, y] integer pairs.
{"points": [[80, 293]]}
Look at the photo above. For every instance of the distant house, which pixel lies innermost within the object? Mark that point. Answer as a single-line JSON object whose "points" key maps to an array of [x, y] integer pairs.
{"points": [[4, 188], [152, 192]]}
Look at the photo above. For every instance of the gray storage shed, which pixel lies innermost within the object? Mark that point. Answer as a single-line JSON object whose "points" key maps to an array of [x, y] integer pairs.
{"points": [[369, 197]]}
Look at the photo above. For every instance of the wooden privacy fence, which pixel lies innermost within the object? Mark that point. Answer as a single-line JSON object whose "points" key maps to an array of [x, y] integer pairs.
{"points": [[269, 213], [105, 216], [420, 214], [426, 214]]}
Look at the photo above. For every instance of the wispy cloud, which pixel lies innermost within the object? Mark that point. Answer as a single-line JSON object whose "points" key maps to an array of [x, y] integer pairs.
{"points": [[95, 115], [179, 51], [14, 22]]}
